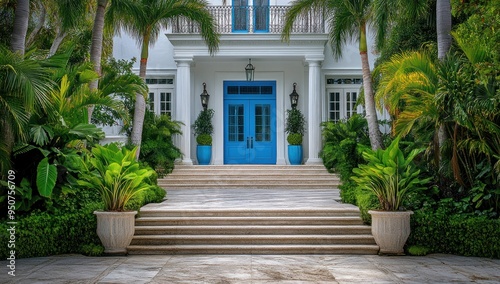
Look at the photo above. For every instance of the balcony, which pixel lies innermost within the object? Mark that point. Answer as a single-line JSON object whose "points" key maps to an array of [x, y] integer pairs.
{"points": [[253, 19]]}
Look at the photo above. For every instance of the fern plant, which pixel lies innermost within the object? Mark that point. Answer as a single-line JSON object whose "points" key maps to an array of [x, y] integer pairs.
{"points": [[158, 149]]}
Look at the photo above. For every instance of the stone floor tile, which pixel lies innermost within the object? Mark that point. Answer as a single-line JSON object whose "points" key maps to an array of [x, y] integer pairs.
{"points": [[364, 274], [132, 273], [286, 271]]}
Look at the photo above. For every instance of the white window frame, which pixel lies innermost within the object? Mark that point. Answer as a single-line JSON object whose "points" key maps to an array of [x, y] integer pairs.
{"points": [[346, 103], [156, 90]]}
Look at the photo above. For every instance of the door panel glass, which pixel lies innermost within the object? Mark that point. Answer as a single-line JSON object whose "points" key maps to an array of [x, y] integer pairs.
{"points": [[236, 123], [263, 123], [261, 12], [240, 15]]}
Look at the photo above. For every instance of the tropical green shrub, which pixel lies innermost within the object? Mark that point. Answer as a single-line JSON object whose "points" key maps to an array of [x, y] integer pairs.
{"points": [[389, 175], [158, 149], [344, 142], [294, 139], [45, 233], [463, 234], [117, 176], [155, 194], [204, 139]]}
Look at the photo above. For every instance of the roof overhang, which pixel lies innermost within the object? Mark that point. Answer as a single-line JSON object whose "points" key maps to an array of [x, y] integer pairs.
{"points": [[305, 46]]}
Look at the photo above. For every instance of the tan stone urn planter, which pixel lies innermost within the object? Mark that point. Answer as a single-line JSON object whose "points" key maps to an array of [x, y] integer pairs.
{"points": [[391, 230], [115, 230]]}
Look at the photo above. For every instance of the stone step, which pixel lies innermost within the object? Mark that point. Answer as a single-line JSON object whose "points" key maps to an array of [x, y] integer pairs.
{"points": [[253, 230], [254, 249], [166, 212], [245, 185], [157, 240], [225, 221]]}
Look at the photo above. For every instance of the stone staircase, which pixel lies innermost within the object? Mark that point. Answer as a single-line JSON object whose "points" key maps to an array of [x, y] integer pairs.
{"points": [[272, 226], [249, 176]]}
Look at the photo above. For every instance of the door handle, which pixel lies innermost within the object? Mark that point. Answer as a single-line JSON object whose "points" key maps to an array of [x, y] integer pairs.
{"points": [[248, 142], [251, 142]]}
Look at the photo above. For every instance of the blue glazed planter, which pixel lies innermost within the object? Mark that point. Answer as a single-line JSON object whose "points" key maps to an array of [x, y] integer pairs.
{"points": [[204, 154], [295, 154]]}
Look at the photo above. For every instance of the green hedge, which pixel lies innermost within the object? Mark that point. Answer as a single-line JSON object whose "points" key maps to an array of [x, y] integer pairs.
{"points": [[43, 233], [456, 234]]}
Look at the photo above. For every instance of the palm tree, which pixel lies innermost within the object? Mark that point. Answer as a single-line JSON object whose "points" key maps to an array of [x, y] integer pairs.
{"points": [[144, 20], [348, 21], [25, 85], [21, 18], [426, 96], [97, 39]]}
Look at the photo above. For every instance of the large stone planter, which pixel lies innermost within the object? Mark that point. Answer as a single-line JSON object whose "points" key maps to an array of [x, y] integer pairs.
{"points": [[115, 230], [391, 230]]}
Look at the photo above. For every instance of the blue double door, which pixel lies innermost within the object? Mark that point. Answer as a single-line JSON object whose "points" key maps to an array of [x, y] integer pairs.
{"points": [[250, 122]]}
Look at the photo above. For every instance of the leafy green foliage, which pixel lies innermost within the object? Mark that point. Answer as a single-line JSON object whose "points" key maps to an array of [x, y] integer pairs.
{"points": [[46, 176], [444, 232], [204, 139], [389, 175], [157, 148], [344, 143], [117, 175], [295, 122], [418, 250], [44, 233], [203, 123], [294, 139]]}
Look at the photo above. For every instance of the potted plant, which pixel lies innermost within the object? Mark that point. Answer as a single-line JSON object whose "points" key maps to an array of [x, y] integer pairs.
{"points": [[391, 177], [203, 130], [294, 127], [118, 177]]}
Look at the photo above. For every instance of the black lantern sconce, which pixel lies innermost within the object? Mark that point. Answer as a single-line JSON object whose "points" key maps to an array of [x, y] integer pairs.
{"points": [[249, 70], [294, 97], [204, 97]]}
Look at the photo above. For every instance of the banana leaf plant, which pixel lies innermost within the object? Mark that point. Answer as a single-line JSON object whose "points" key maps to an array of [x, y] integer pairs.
{"points": [[389, 175], [117, 175]]}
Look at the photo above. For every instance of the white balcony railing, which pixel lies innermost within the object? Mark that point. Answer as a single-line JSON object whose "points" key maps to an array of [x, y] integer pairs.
{"points": [[248, 19]]}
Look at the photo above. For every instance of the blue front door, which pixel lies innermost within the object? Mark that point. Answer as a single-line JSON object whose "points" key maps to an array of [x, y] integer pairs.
{"points": [[249, 122]]}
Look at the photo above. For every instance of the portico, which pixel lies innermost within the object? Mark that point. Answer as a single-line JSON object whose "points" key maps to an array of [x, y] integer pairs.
{"points": [[298, 61]]}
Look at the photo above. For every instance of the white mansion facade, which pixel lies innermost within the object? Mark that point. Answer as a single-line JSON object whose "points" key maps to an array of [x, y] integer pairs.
{"points": [[179, 64]]}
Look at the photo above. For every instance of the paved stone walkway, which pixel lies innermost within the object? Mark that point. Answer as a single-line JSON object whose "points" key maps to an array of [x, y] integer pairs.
{"points": [[255, 269], [437, 268]]}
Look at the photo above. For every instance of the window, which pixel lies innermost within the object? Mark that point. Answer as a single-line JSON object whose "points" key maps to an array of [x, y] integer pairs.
{"points": [[342, 96], [261, 14], [160, 95], [240, 14]]}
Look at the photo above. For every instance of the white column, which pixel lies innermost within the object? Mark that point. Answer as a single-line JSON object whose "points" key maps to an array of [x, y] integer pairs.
{"points": [[314, 113], [183, 106]]}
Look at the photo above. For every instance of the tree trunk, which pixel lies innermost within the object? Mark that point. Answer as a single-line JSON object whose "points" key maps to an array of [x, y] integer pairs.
{"points": [[140, 102], [39, 24], [96, 47], [443, 22], [57, 41], [22, 14], [371, 112]]}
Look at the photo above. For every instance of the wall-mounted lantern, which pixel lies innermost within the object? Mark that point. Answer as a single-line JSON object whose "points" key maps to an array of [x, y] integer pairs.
{"points": [[249, 70], [294, 97], [204, 97]]}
